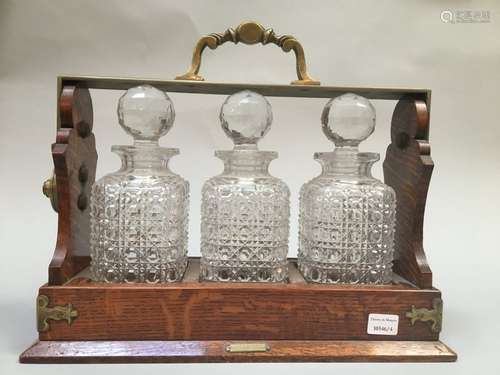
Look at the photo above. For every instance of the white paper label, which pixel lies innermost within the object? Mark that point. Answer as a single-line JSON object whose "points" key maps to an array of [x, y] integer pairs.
{"points": [[382, 324]]}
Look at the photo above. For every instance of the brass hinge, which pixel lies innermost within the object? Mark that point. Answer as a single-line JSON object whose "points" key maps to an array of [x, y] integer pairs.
{"points": [[44, 313], [433, 316], [247, 347]]}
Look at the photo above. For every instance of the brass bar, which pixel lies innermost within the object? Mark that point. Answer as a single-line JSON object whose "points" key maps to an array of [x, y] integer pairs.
{"points": [[200, 87]]}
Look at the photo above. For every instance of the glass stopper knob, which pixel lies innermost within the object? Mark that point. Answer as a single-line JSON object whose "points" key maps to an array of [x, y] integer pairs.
{"points": [[348, 119], [246, 117], [145, 113]]}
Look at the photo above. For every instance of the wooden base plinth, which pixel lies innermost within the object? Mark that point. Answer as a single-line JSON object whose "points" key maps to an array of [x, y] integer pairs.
{"points": [[191, 310], [192, 321], [215, 351]]}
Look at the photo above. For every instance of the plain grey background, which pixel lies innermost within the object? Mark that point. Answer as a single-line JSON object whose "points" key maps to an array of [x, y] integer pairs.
{"points": [[365, 43]]}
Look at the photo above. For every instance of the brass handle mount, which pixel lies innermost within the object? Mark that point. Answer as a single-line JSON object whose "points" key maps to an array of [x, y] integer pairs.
{"points": [[250, 32]]}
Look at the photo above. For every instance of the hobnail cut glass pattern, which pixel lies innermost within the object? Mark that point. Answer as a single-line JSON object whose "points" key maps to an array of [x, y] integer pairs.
{"points": [[139, 214], [139, 228], [346, 231], [244, 229], [245, 210], [347, 217]]}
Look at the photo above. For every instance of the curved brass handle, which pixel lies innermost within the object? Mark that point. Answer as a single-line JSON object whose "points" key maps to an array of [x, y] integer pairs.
{"points": [[250, 33], [49, 189]]}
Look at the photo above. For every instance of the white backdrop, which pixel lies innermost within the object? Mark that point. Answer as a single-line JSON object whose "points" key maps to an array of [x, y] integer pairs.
{"points": [[370, 43]]}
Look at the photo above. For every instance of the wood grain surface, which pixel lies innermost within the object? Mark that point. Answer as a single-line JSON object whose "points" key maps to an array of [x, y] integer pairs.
{"points": [[215, 351], [75, 160], [408, 169], [193, 310]]}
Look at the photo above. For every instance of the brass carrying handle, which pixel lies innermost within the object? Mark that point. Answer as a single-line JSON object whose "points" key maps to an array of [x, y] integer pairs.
{"points": [[250, 33]]}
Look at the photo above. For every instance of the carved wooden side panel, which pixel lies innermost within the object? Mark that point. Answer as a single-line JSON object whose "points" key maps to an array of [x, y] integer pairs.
{"points": [[407, 169], [75, 159]]}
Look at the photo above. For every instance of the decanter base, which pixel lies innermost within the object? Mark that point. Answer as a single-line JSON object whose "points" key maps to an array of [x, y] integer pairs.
{"points": [[151, 274], [334, 273], [224, 271]]}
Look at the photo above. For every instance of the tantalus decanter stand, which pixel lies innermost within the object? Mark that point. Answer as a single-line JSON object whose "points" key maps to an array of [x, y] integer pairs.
{"points": [[191, 321]]}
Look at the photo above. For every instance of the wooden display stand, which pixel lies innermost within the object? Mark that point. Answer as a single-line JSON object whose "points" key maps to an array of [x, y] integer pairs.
{"points": [[191, 321]]}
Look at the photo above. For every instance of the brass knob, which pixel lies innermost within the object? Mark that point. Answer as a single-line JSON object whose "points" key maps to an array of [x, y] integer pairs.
{"points": [[49, 189]]}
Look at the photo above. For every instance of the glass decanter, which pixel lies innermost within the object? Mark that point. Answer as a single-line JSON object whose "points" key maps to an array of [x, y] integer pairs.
{"points": [[347, 217], [139, 214], [245, 210]]}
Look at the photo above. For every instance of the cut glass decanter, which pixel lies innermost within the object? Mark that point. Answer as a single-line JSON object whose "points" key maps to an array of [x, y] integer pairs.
{"points": [[139, 214], [347, 217], [245, 210]]}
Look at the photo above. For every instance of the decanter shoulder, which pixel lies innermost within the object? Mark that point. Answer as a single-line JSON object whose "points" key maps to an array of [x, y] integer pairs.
{"points": [[224, 185], [126, 181], [110, 179], [326, 187]]}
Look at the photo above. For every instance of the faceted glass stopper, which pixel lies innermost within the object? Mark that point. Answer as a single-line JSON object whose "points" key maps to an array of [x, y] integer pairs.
{"points": [[246, 117], [146, 113], [348, 119]]}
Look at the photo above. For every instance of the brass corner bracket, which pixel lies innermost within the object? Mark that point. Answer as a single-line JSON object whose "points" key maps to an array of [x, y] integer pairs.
{"points": [[250, 32], [433, 316], [44, 313]]}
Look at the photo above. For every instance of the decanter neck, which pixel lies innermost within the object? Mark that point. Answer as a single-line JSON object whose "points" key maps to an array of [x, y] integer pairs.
{"points": [[145, 157], [347, 164], [246, 162]]}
